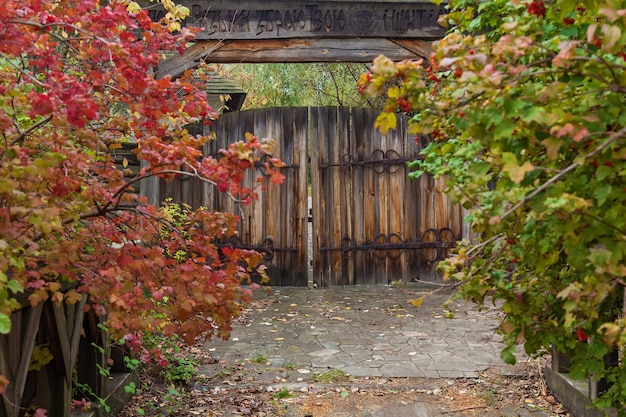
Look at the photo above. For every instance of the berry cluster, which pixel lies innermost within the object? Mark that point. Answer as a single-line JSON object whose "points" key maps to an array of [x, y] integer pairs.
{"points": [[537, 8]]}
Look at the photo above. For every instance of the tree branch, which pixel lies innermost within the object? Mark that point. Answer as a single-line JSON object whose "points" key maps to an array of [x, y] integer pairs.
{"points": [[28, 131], [612, 138]]}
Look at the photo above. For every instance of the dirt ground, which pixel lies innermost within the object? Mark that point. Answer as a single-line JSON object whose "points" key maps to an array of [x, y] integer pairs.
{"points": [[254, 389]]}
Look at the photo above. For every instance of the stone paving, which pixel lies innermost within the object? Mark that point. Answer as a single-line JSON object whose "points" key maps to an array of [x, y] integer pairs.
{"points": [[373, 332]]}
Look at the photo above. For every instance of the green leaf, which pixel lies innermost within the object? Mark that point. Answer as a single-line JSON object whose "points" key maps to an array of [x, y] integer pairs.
{"points": [[570, 31], [508, 355], [504, 129], [480, 169], [602, 192], [5, 324], [14, 286], [533, 114]]}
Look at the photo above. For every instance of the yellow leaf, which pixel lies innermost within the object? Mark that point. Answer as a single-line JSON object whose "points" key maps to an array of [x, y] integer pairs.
{"points": [[278, 339], [418, 301], [385, 121], [511, 166], [133, 7], [394, 92], [125, 163], [552, 147]]}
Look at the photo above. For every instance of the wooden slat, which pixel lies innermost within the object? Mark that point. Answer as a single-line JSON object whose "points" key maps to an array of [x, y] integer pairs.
{"points": [[27, 334], [77, 320], [63, 339], [332, 188], [344, 116], [413, 206], [371, 198], [395, 206], [301, 151], [428, 220], [149, 188], [318, 207], [384, 202], [358, 144], [273, 219]]}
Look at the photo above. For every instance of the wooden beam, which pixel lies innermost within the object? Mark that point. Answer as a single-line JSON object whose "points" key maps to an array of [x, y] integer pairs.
{"points": [[291, 51], [290, 19]]}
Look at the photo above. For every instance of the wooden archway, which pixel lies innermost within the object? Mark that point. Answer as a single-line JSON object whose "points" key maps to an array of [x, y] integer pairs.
{"points": [[291, 31]]}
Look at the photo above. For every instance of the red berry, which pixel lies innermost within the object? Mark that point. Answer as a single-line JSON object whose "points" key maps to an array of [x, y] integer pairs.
{"points": [[537, 8], [581, 335], [569, 21]]}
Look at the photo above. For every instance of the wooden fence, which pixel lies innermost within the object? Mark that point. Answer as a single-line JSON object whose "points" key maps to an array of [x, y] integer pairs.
{"points": [[371, 224], [49, 385]]}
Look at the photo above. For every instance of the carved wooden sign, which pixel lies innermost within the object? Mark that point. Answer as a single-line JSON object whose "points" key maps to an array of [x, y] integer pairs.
{"points": [[248, 20]]}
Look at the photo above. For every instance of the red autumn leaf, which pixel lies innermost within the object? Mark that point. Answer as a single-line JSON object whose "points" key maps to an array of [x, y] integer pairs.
{"points": [[41, 104], [124, 260]]}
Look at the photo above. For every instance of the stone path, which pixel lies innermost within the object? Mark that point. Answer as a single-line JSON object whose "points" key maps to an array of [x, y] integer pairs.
{"points": [[366, 332], [373, 332]]}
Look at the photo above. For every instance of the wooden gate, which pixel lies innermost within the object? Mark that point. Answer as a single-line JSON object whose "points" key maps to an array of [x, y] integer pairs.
{"points": [[276, 224], [371, 224]]}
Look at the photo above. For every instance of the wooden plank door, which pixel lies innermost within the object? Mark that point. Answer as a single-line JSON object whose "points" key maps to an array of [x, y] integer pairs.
{"points": [[276, 224], [372, 225]]}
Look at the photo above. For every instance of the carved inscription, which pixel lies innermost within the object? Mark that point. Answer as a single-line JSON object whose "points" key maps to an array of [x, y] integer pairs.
{"points": [[291, 19]]}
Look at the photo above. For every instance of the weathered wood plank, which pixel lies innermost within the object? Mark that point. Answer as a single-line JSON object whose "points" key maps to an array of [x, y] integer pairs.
{"points": [[301, 156], [324, 217], [318, 206], [292, 51], [334, 140], [385, 201], [28, 335], [224, 19], [63, 339], [344, 117], [358, 144], [396, 175], [371, 140]]}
